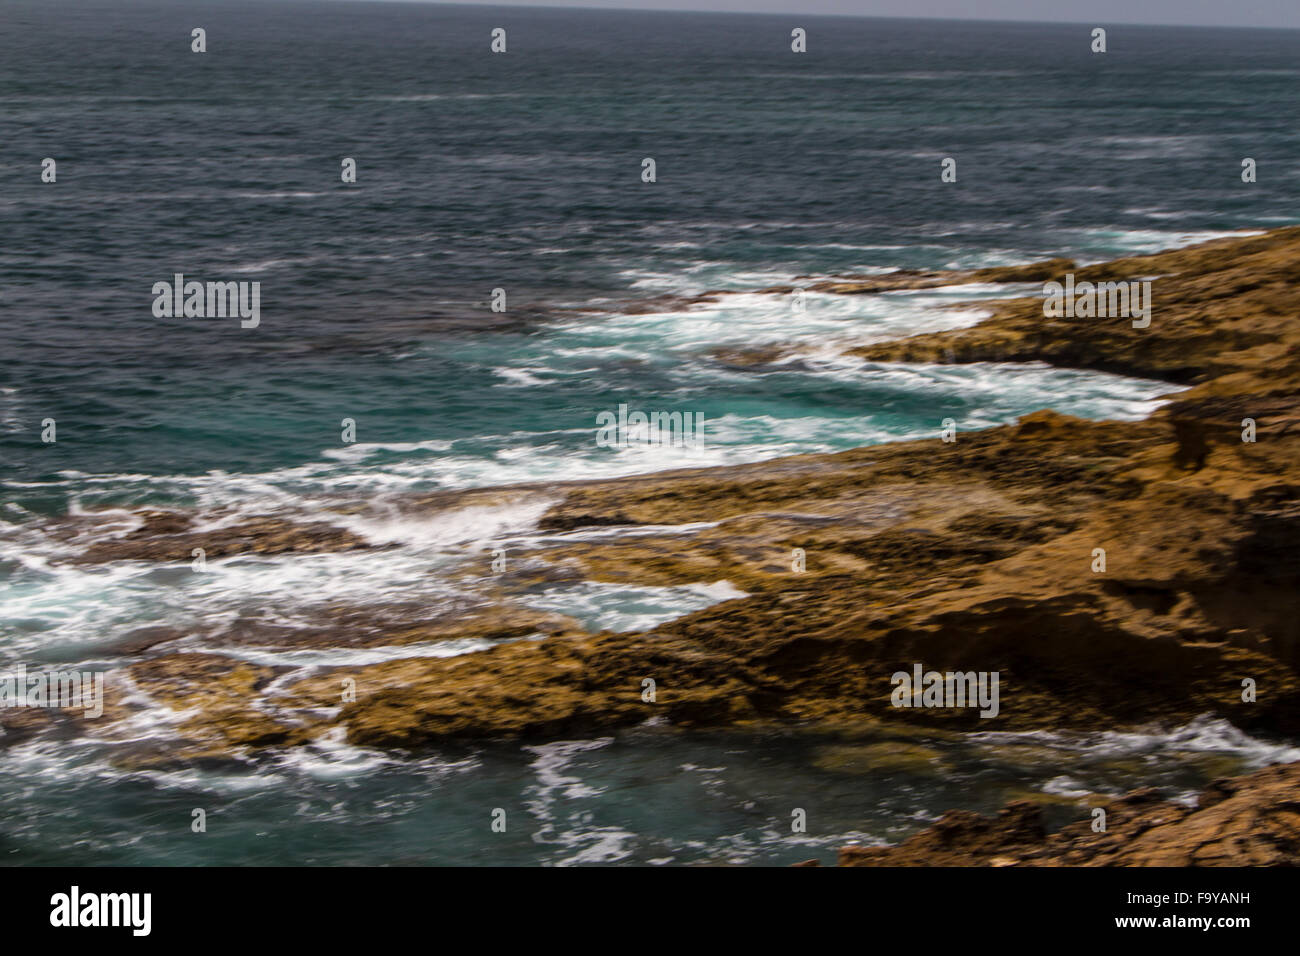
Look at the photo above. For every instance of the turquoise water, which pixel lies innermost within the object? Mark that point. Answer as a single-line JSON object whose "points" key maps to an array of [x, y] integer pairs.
{"points": [[523, 172], [639, 797]]}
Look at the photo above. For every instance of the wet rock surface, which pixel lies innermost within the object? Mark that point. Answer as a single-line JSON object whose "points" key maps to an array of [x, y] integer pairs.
{"points": [[171, 536], [1253, 820]]}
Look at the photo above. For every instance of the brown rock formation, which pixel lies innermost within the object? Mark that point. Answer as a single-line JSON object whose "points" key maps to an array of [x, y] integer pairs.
{"points": [[1245, 821], [169, 536], [1224, 306]]}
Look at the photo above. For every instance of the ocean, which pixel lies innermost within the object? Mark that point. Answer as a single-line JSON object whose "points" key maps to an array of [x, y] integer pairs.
{"points": [[522, 172]]}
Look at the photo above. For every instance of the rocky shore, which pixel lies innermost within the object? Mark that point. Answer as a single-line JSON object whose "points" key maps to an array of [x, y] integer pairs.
{"points": [[1245, 821], [976, 554]]}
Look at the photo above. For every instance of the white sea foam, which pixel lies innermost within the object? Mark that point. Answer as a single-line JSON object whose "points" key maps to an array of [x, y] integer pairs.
{"points": [[1205, 734], [626, 608], [312, 659], [1111, 243]]}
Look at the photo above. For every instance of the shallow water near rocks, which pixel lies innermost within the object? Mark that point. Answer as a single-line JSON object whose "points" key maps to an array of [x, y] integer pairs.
{"points": [[642, 797]]}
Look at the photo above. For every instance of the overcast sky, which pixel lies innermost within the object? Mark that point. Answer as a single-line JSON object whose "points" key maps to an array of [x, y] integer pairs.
{"points": [[1237, 13]]}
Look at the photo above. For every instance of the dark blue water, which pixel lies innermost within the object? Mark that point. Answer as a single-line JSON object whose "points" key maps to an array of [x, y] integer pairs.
{"points": [[523, 171]]}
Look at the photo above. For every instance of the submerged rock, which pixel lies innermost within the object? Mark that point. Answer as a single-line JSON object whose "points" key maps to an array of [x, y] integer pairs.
{"points": [[1252, 820], [170, 536]]}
